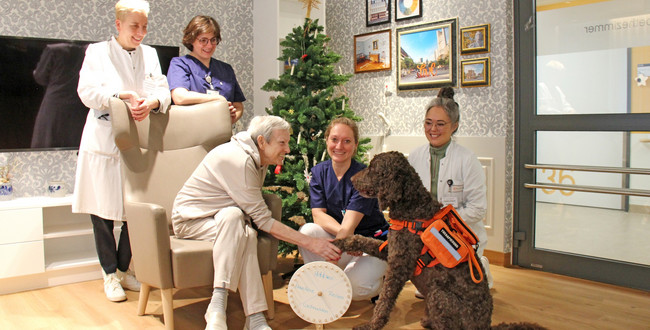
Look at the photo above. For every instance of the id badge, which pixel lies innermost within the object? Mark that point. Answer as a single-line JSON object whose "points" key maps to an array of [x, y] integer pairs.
{"points": [[149, 85], [212, 91], [450, 201]]}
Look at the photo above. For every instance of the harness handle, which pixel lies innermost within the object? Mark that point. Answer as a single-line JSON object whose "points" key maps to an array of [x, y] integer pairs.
{"points": [[473, 261]]}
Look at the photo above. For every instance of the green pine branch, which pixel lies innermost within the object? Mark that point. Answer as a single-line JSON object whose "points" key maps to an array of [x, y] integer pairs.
{"points": [[307, 99]]}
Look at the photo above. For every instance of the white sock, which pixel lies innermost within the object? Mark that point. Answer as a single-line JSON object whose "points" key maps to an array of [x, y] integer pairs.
{"points": [[219, 300], [257, 321]]}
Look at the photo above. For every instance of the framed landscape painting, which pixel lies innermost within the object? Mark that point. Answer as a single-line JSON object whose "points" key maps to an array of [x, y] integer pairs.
{"points": [[475, 72], [377, 12], [427, 55], [372, 51]]}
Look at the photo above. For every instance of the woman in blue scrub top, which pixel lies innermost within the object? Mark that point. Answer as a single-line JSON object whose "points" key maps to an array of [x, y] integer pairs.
{"points": [[197, 77], [340, 211]]}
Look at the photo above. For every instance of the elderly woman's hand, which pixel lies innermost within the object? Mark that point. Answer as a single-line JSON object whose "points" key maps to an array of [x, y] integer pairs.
{"points": [[324, 248]]}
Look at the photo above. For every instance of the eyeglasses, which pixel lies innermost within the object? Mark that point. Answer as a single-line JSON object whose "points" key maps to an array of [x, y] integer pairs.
{"points": [[204, 41], [439, 124]]}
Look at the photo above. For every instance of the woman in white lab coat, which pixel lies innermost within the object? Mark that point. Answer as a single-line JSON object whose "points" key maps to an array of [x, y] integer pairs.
{"points": [[120, 67], [451, 172]]}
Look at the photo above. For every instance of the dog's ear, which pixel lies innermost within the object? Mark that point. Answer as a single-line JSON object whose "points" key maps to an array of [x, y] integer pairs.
{"points": [[395, 181]]}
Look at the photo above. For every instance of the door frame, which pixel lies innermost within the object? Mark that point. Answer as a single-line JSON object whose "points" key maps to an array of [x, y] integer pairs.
{"points": [[527, 123]]}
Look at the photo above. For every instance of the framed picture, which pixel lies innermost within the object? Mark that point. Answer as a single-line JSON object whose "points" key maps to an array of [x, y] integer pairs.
{"points": [[377, 12], [427, 55], [405, 9], [475, 39], [372, 51], [475, 72]]}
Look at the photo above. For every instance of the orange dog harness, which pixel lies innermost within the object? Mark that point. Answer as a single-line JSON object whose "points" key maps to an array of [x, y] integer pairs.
{"points": [[447, 240]]}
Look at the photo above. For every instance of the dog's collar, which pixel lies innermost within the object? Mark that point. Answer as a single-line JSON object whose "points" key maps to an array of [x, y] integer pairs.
{"points": [[416, 227]]}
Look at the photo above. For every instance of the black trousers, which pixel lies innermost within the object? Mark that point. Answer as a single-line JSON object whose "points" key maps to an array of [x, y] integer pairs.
{"points": [[111, 256]]}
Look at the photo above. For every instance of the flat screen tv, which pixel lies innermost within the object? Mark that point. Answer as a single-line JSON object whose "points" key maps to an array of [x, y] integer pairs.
{"points": [[39, 105]]}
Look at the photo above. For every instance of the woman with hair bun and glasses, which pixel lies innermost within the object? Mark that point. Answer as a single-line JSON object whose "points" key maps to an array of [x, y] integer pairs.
{"points": [[197, 77], [451, 172]]}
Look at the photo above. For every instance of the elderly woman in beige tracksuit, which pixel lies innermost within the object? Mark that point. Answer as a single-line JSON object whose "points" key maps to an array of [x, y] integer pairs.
{"points": [[219, 201]]}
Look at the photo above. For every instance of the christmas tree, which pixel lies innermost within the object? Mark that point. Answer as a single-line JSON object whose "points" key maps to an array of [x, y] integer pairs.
{"points": [[311, 95]]}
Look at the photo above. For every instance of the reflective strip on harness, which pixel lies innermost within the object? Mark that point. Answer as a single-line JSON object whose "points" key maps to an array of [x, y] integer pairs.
{"points": [[447, 241]]}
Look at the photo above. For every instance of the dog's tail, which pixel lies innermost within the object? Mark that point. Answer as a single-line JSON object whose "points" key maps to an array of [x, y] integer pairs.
{"points": [[518, 326]]}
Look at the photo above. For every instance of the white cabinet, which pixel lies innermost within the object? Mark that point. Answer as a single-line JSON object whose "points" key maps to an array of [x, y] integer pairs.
{"points": [[68, 238], [42, 243]]}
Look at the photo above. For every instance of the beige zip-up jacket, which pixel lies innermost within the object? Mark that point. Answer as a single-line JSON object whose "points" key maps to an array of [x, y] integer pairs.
{"points": [[229, 175]]}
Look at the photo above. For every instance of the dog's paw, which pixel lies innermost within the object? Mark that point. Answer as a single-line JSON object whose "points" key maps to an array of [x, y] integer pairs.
{"points": [[347, 245], [339, 242]]}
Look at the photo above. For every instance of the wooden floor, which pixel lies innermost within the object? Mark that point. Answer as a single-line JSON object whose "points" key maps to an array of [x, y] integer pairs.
{"points": [[554, 301]]}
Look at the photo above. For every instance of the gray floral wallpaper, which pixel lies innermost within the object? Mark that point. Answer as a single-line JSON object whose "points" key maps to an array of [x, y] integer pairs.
{"points": [[485, 111], [94, 20]]}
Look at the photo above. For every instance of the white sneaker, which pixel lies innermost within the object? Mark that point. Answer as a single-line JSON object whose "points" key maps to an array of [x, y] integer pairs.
{"points": [[215, 321], [486, 265], [128, 280], [112, 288]]}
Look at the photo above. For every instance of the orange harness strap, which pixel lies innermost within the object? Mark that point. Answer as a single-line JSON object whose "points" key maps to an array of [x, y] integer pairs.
{"points": [[427, 259], [416, 227]]}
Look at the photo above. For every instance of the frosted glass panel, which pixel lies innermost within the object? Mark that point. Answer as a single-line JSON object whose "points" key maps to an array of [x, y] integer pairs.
{"points": [[594, 58], [585, 149]]}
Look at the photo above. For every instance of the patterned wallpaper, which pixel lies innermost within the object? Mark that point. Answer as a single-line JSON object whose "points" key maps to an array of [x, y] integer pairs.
{"points": [[94, 20], [485, 111]]}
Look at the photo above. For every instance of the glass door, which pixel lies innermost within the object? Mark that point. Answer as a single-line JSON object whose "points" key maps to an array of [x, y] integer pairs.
{"points": [[582, 139]]}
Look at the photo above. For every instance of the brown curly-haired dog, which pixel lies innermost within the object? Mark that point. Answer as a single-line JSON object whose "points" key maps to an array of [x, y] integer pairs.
{"points": [[453, 300]]}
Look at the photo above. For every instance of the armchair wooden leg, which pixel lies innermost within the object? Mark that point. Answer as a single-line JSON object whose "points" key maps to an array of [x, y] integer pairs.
{"points": [[168, 307], [144, 297], [267, 282]]}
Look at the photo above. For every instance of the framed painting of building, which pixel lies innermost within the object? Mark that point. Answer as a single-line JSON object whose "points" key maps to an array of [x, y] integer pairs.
{"points": [[475, 39], [377, 12], [475, 72], [427, 55]]}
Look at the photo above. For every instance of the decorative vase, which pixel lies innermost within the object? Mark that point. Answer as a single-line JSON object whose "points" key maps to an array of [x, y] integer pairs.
{"points": [[6, 191]]}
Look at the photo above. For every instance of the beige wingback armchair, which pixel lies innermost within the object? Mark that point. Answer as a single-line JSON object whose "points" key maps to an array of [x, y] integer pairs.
{"points": [[158, 155]]}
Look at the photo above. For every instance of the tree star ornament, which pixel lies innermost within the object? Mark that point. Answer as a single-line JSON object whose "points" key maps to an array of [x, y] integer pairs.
{"points": [[309, 4], [641, 79]]}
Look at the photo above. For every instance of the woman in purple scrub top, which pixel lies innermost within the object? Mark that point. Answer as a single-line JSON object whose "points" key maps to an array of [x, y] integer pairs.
{"points": [[198, 77]]}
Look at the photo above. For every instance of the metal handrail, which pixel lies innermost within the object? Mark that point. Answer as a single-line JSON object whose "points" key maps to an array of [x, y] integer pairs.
{"points": [[591, 189], [602, 169]]}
